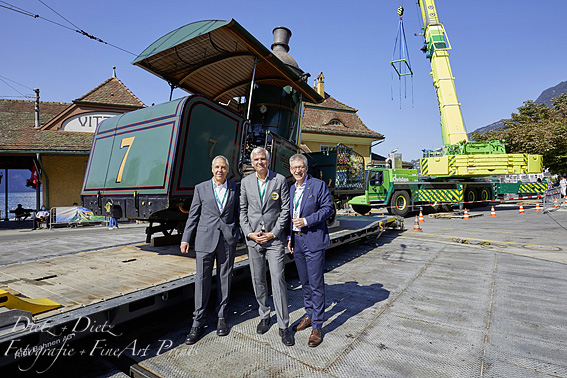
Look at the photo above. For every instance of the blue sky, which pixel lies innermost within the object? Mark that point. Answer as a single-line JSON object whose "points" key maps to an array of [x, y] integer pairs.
{"points": [[504, 52]]}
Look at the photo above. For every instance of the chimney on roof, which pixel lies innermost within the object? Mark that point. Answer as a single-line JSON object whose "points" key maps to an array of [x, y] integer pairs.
{"points": [[320, 85], [36, 125]]}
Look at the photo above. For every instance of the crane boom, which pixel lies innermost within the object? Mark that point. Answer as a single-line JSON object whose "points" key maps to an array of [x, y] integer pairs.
{"points": [[460, 157], [437, 45]]}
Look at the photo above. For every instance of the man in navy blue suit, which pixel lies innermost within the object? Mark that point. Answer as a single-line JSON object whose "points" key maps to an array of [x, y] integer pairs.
{"points": [[310, 206]]}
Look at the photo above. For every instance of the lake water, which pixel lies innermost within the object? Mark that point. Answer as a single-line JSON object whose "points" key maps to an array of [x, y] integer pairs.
{"points": [[27, 199]]}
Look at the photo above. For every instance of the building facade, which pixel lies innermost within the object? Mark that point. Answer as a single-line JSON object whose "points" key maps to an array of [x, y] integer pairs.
{"points": [[332, 122], [55, 140]]}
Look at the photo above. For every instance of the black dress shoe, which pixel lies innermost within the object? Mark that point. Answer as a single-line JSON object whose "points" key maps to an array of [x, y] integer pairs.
{"points": [[287, 339], [222, 328], [263, 326], [194, 335]]}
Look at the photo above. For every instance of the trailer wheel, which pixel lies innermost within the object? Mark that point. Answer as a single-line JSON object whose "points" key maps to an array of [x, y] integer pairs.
{"points": [[400, 203], [361, 209], [485, 194]]}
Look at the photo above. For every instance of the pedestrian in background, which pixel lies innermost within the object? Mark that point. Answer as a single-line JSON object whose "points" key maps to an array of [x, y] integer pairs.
{"points": [[563, 186], [212, 227], [310, 206]]}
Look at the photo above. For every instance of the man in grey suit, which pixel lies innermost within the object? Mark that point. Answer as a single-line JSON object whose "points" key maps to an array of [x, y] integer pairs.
{"points": [[264, 215], [212, 226]]}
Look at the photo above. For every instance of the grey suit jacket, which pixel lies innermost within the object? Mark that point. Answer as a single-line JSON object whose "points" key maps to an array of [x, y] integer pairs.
{"points": [[205, 221], [273, 213]]}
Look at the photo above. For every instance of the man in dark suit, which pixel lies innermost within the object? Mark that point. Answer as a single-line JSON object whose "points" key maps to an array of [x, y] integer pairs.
{"points": [[264, 215], [212, 226], [310, 206]]}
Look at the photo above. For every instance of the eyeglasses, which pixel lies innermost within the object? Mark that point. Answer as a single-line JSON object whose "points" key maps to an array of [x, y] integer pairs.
{"points": [[297, 168]]}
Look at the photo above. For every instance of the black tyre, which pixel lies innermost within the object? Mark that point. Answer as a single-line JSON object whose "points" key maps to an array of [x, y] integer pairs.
{"points": [[361, 209], [471, 195], [400, 203], [485, 194]]}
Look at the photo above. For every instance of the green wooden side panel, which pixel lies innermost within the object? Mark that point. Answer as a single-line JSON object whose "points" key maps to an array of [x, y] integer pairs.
{"points": [[134, 152], [147, 160], [211, 130]]}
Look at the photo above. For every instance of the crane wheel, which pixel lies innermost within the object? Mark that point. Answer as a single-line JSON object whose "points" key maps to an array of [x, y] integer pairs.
{"points": [[485, 194], [470, 195], [400, 203]]}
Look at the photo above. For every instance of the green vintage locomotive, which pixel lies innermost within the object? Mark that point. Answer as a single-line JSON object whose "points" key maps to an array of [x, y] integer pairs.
{"points": [[146, 163]]}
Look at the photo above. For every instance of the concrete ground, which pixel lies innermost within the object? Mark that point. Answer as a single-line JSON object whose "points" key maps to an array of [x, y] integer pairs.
{"points": [[462, 298]]}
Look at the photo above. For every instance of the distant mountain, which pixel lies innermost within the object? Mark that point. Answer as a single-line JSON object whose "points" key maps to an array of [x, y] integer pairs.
{"points": [[490, 127], [550, 93], [544, 98]]}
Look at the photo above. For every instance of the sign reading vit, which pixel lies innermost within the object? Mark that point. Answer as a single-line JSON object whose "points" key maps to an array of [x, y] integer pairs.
{"points": [[86, 122]]}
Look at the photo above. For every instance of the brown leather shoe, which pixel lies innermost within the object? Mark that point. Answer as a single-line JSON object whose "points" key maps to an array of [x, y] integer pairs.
{"points": [[315, 338], [304, 323]]}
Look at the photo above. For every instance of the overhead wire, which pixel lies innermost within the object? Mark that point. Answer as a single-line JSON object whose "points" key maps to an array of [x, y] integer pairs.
{"points": [[77, 29], [3, 79]]}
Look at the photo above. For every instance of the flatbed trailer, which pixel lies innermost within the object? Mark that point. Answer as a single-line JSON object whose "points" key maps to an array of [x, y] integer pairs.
{"points": [[100, 289]]}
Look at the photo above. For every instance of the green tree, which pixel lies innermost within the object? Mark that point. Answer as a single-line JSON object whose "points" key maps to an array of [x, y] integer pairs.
{"points": [[536, 129]]}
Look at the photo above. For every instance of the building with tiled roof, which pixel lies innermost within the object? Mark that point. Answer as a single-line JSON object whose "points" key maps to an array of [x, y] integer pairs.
{"points": [[332, 122], [57, 143]]}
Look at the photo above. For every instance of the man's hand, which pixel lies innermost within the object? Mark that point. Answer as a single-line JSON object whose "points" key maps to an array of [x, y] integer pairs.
{"points": [[289, 246], [298, 222], [261, 237], [184, 247]]}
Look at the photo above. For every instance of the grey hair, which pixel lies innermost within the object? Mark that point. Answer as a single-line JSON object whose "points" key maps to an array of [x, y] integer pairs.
{"points": [[258, 150], [220, 157], [298, 157]]}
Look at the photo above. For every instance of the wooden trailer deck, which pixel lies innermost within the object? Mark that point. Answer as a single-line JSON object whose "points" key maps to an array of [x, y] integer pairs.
{"points": [[114, 285]]}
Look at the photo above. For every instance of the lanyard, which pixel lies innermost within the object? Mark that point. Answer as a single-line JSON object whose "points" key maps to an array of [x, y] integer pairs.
{"points": [[296, 203], [262, 192], [221, 204]]}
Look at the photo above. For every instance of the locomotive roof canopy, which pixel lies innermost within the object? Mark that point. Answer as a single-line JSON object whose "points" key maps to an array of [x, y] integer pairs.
{"points": [[216, 58]]}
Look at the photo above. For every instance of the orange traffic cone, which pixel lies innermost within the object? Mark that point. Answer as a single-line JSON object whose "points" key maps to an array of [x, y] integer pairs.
{"points": [[416, 226], [555, 205], [537, 208], [492, 212], [421, 220], [521, 210], [466, 216]]}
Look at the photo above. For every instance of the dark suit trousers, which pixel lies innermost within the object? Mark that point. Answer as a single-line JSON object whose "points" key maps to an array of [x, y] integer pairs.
{"points": [[310, 266], [224, 256]]}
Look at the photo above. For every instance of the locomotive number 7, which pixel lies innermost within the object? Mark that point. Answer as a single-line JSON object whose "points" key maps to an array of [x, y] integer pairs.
{"points": [[125, 142]]}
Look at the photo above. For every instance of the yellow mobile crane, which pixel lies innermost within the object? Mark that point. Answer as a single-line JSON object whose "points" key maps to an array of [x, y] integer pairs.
{"points": [[459, 156], [459, 172]]}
